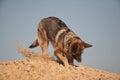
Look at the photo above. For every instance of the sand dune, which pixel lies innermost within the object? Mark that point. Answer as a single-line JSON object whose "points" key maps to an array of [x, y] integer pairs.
{"points": [[43, 67]]}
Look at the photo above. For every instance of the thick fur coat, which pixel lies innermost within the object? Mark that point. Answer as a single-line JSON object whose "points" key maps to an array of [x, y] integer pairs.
{"points": [[67, 45]]}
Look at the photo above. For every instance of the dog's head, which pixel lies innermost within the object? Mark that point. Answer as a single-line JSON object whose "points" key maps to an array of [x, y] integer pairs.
{"points": [[77, 48]]}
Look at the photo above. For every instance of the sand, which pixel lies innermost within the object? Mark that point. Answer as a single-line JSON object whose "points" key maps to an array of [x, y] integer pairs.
{"points": [[43, 67]]}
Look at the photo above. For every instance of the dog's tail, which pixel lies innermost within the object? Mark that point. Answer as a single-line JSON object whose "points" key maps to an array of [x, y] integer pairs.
{"points": [[34, 44]]}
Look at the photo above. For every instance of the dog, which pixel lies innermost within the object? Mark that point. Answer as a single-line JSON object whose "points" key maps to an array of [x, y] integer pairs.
{"points": [[67, 45]]}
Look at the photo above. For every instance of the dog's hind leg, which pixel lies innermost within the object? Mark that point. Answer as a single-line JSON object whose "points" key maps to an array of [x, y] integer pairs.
{"points": [[42, 40]]}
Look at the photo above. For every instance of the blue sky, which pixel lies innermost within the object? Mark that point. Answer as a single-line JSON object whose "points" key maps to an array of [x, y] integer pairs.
{"points": [[94, 21]]}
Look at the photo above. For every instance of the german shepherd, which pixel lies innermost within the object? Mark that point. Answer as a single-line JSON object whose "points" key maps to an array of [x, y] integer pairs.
{"points": [[67, 45]]}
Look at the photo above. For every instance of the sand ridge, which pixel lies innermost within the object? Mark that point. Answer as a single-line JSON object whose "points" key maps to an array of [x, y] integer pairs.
{"points": [[43, 67]]}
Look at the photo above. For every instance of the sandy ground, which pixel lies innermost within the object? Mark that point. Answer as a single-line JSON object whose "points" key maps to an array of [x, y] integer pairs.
{"points": [[42, 67]]}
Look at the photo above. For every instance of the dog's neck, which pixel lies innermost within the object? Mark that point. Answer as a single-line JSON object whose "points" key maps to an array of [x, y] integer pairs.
{"points": [[69, 38]]}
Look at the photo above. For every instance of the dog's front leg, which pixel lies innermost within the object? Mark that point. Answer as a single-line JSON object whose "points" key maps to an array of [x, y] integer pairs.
{"points": [[60, 56]]}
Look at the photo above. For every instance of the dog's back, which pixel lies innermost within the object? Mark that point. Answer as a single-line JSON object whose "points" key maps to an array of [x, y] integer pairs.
{"points": [[52, 27]]}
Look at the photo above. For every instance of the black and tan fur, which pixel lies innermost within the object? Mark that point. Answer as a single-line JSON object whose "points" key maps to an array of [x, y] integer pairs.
{"points": [[67, 45]]}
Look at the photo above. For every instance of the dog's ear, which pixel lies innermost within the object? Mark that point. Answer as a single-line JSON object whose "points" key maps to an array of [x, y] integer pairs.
{"points": [[86, 45], [34, 44]]}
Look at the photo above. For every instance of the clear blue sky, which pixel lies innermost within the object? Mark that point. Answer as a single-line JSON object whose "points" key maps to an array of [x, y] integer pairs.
{"points": [[95, 21]]}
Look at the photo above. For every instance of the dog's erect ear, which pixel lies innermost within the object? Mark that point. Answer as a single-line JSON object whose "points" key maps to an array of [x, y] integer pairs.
{"points": [[86, 45], [34, 44]]}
